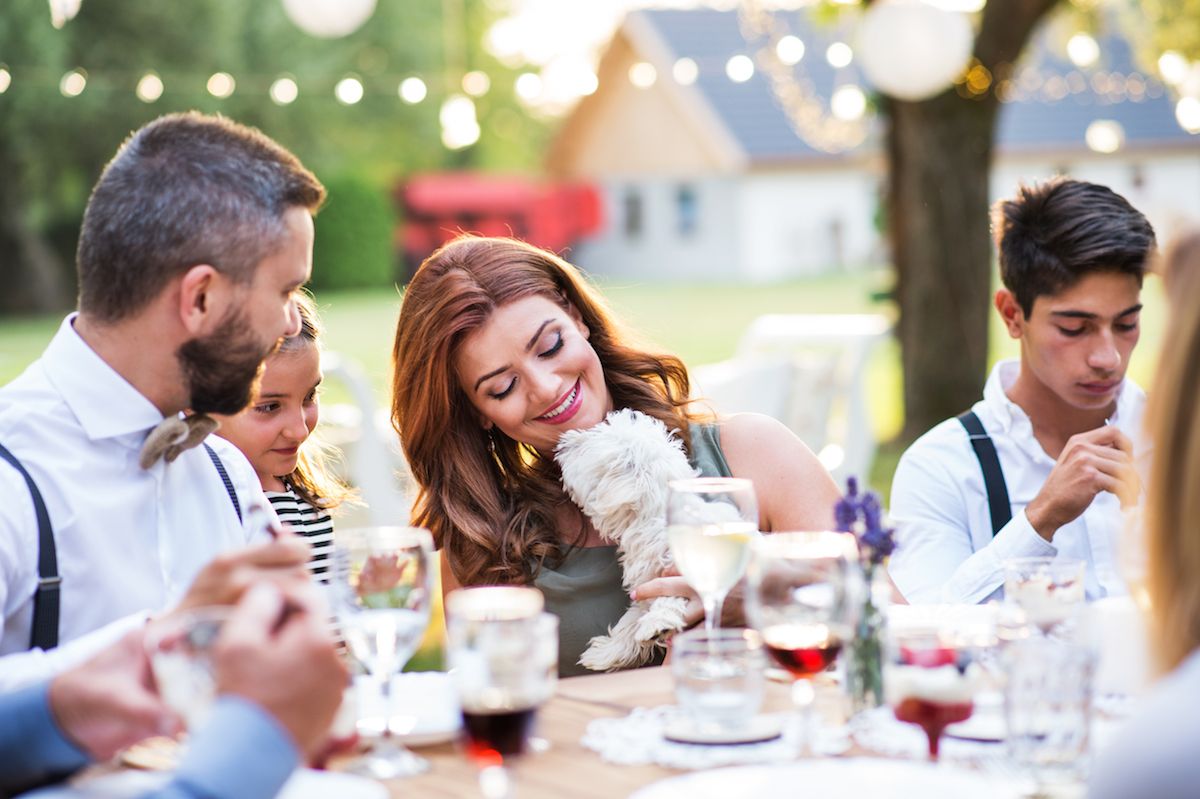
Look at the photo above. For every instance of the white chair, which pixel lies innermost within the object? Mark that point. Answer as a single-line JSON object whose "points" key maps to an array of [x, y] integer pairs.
{"points": [[371, 453], [808, 371]]}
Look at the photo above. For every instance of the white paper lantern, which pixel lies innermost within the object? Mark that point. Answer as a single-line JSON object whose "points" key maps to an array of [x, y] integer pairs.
{"points": [[911, 50], [329, 19]]}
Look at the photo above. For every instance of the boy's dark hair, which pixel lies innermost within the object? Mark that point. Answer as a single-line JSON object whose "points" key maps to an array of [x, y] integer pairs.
{"points": [[1054, 233], [186, 189]]}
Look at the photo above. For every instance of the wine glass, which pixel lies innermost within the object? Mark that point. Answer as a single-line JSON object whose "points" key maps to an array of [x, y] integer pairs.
{"points": [[711, 522], [1049, 591], [502, 651], [930, 678], [799, 598], [382, 586]]}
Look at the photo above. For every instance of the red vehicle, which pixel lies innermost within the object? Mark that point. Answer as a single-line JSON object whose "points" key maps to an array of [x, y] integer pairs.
{"points": [[438, 207]]}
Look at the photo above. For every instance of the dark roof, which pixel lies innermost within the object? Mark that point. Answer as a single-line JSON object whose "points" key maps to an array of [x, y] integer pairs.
{"points": [[755, 119]]}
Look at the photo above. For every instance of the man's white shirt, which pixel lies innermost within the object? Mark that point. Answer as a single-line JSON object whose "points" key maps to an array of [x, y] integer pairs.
{"points": [[946, 551], [129, 540]]}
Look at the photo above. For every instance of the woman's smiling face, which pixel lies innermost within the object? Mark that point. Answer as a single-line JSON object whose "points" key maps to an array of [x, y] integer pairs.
{"points": [[531, 372]]}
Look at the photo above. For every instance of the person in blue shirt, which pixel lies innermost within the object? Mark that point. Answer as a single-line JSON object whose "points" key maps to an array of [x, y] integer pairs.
{"points": [[279, 684]]}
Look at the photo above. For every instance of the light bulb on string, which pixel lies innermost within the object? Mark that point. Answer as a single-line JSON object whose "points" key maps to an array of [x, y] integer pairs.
{"points": [[1083, 50], [685, 71], [528, 87], [739, 68], [476, 83], [5, 79], [839, 55], [349, 90], [412, 90], [911, 50], [1187, 113], [643, 74], [73, 83], [790, 50], [149, 88], [1104, 136], [221, 85], [284, 90]]}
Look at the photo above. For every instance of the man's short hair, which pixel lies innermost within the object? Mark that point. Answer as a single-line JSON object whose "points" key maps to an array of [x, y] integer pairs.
{"points": [[186, 189], [1052, 234]]}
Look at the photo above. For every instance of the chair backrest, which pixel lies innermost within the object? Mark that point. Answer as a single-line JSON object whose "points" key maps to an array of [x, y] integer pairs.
{"points": [[371, 452], [808, 371]]}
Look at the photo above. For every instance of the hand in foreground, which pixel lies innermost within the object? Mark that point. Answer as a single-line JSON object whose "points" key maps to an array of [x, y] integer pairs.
{"points": [[1091, 462], [230, 574], [109, 702], [276, 651]]}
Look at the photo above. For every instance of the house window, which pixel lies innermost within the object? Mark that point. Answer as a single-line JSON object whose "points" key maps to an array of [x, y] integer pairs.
{"points": [[687, 210], [632, 203]]}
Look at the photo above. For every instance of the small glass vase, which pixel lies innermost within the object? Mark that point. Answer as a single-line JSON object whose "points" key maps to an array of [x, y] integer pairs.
{"points": [[864, 661]]}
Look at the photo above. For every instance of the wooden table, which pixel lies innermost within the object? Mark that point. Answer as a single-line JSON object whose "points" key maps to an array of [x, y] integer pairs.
{"points": [[568, 769]]}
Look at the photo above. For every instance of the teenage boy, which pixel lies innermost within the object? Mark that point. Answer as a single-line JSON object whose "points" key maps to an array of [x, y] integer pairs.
{"points": [[1045, 462]]}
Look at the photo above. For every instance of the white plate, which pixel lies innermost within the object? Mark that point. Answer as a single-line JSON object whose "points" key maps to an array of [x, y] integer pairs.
{"points": [[304, 784], [757, 730], [424, 708], [852, 778]]}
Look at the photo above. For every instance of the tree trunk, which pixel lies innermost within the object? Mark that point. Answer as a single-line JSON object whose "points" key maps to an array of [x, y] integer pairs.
{"points": [[939, 158]]}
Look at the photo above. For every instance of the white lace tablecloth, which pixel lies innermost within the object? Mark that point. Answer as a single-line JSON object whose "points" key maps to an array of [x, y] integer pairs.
{"points": [[637, 739]]}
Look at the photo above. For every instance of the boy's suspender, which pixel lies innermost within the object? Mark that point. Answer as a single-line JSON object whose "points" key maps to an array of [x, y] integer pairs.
{"points": [[993, 475], [43, 633]]}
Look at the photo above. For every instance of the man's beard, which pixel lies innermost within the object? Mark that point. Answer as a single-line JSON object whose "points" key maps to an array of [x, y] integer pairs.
{"points": [[222, 369]]}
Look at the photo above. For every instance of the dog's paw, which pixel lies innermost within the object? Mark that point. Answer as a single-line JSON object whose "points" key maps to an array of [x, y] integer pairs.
{"points": [[665, 614]]}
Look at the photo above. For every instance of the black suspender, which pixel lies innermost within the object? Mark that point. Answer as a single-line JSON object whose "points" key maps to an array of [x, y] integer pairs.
{"points": [[993, 475], [237, 506], [43, 633]]}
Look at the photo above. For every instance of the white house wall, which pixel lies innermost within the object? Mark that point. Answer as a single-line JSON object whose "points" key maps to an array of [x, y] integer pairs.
{"points": [[663, 252], [797, 223]]}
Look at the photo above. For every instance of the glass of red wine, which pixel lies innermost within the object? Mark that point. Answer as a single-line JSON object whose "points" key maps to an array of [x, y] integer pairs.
{"points": [[930, 679], [798, 599], [502, 651]]}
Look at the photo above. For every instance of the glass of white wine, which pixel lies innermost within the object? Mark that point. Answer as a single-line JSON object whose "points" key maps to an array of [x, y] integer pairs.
{"points": [[711, 524], [382, 588]]}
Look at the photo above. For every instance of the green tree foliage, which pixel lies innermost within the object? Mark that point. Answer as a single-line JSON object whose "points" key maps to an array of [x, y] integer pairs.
{"points": [[353, 247], [52, 148]]}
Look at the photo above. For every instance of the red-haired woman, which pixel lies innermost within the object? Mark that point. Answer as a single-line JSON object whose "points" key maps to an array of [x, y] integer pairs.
{"points": [[502, 347]]}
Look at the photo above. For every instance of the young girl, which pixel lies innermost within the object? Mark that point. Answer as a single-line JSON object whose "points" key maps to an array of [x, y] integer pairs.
{"points": [[273, 431]]}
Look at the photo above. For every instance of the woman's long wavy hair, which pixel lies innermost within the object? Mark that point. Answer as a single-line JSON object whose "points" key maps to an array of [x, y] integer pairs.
{"points": [[489, 500], [1172, 501]]}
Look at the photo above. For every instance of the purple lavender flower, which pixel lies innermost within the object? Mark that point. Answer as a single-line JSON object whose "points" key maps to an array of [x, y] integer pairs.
{"points": [[875, 542]]}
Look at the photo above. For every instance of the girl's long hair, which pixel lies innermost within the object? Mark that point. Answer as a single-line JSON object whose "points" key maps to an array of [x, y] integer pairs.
{"points": [[312, 479], [489, 500], [1172, 497]]}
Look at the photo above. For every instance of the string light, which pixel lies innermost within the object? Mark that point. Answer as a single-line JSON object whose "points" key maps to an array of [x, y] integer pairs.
{"points": [[1173, 67], [221, 85], [790, 50], [460, 127], [685, 71], [284, 90], [149, 88], [349, 90], [413, 90], [476, 83], [739, 68], [1105, 136], [73, 83], [848, 103], [5, 79], [1187, 112], [1083, 50], [643, 75], [839, 55], [528, 87]]}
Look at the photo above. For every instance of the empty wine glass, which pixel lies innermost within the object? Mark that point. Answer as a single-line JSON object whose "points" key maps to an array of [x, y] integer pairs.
{"points": [[798, 597], [502, 651], [711, 522], [381, 586]]}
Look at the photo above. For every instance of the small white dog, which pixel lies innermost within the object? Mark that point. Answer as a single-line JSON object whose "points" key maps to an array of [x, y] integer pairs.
{"points": [[617, 472]]}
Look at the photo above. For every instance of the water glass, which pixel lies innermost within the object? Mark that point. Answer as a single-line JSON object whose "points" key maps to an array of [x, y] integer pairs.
{"points": [[1048, 707], [720, 677]]}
